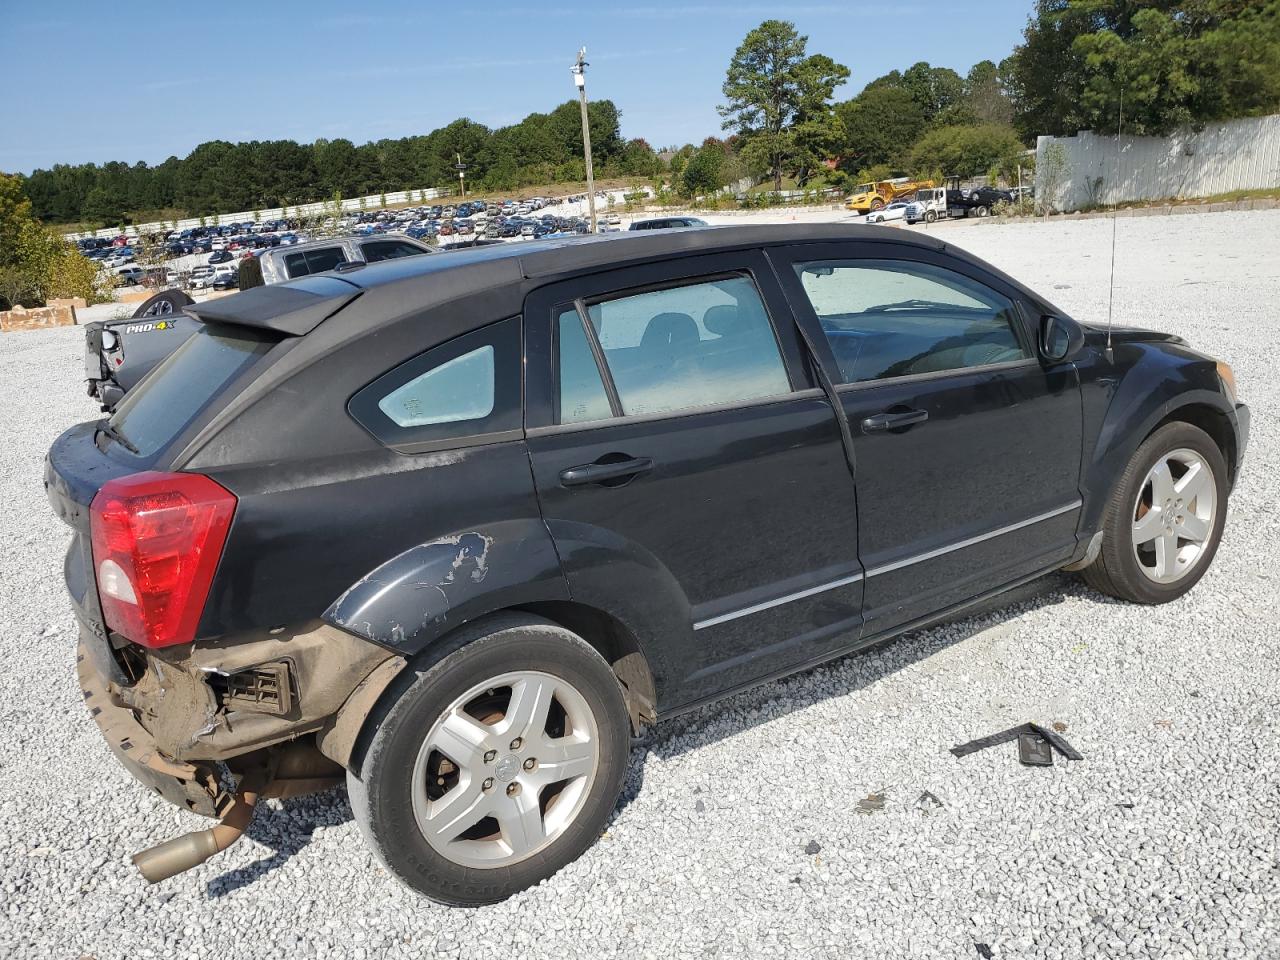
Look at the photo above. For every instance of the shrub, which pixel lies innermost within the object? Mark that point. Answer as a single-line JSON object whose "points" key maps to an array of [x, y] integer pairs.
{"points": [[966, 151]]}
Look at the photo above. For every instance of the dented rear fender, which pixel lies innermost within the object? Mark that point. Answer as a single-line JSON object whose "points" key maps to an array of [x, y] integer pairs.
{"points": [[416, 597]]}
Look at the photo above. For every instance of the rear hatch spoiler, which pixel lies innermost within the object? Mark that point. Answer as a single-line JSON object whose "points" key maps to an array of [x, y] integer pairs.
{"points": [[292, 309]]}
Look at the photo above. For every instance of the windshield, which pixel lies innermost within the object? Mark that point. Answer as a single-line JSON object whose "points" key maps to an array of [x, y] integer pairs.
{"points": [[863, 188], [158, 409]]}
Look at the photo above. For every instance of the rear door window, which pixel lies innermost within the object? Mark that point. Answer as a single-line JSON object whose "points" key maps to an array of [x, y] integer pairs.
{"points": [[582, 395], [155, 412], [693, 345]]}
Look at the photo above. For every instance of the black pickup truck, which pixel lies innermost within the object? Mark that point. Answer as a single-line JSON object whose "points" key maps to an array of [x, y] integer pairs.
{"points": [[156, 329]]}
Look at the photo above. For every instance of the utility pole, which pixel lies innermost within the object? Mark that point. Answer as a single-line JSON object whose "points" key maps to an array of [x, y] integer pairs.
{"points": [[579, 71], [461, 168]]}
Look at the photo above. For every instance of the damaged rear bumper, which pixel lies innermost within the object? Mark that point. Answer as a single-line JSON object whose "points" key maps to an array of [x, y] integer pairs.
{"points": [[195, 787], [176, 718]]}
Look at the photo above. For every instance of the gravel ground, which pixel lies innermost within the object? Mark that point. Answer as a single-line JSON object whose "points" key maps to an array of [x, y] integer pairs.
{"points": [[794, 820]]}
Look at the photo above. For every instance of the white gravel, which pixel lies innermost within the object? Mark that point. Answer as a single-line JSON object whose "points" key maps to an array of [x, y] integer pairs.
{"points": [[787, 822]]}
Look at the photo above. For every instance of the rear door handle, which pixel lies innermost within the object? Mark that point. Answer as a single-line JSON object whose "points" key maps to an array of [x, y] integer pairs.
{"points": [[600, 472], [891, 421]]}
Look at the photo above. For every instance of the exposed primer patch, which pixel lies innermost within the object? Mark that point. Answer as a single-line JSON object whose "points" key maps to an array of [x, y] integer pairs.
{"points": [[471, 558]]}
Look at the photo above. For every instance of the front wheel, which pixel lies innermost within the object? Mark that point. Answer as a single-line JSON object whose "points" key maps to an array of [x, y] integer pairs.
{"points": [[930, 216], [877, 204], [1163, 521], [497, 764]]}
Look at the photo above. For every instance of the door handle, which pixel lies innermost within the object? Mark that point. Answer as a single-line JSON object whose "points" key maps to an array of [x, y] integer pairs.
{"points": [[892, 421], [603, 472]]}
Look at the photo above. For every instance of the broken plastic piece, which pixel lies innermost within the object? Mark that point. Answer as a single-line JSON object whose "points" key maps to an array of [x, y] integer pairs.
{"points": [[1034, 750], [1013, 733]]}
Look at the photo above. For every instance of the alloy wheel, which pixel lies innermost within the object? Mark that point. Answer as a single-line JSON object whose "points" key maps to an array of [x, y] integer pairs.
{"points": [[505, 770], [1174, 516]]}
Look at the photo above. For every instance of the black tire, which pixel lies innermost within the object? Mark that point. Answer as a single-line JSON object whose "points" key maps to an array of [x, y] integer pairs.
{"points": [[877, 204], [1116, 571], [381, 793], [163, 304], [930, 216]]}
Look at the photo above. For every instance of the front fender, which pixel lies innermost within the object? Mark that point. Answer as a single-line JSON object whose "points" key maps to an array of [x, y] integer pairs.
{"points": [[1127, 400], [414, 598]]}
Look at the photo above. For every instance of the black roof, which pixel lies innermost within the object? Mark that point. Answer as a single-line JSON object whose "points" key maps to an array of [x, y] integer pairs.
{"points": [[393, 286], [541, 259]]}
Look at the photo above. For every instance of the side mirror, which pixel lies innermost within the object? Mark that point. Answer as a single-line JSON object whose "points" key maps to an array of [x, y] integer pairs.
{"points": [[1061, 338]]}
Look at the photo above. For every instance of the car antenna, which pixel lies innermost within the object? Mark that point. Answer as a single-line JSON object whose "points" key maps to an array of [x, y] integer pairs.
{"points": [[1111, 291]]}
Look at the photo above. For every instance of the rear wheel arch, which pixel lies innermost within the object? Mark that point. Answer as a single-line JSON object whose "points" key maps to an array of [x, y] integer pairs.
{"points": [[605, 634], [617, 644]]}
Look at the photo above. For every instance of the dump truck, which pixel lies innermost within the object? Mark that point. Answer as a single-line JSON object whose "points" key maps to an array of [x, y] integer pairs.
{"points": [[873, 196]]}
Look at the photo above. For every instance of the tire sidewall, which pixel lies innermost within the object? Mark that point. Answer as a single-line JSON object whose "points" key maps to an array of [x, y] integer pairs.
{"points": [[1118, 541], [382, 795]]}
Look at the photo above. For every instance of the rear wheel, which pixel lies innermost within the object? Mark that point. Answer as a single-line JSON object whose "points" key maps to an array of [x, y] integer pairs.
{"points": [[877, 204], [497, 764], [1164, 520]]}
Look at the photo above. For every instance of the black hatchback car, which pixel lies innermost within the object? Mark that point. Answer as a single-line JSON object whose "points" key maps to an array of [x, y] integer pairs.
{"points": [[454, 528]]}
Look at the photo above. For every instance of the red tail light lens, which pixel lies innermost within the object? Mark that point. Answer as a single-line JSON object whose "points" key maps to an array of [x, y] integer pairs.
{"points": [[157, 538]]}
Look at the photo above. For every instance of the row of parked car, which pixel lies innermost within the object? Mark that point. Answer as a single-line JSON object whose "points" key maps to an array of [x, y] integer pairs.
{"points": [[428, 219]]}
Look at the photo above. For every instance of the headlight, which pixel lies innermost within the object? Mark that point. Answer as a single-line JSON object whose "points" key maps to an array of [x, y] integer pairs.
{"points": [[1228, 380]]}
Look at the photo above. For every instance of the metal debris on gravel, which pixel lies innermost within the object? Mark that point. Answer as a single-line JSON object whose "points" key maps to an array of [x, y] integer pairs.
{"points": [[1162, 843]]}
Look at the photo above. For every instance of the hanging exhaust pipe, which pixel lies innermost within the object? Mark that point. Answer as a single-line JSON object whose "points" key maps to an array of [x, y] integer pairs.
{"points": [[192, 849]]}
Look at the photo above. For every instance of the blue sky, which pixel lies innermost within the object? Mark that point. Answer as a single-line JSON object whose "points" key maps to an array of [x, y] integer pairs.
{"points": [[142, 81]]}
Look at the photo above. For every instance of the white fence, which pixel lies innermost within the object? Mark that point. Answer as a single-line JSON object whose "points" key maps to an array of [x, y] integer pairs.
{"points": [[373, 202], [1235, 155]]}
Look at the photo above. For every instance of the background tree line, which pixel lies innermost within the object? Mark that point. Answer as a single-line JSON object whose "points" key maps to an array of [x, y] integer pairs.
{"points": [[221, 177]]}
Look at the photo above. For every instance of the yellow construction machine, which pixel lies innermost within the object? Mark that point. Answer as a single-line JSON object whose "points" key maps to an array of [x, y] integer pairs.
{"points": [[873, 196]]}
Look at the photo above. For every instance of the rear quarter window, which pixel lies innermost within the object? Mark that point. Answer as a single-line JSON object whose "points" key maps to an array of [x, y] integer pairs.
{"points": [[464, 392], [155, 412]]}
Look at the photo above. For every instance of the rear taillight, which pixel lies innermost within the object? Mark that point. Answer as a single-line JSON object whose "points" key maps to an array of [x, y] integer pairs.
{"points": [[157, 538]]}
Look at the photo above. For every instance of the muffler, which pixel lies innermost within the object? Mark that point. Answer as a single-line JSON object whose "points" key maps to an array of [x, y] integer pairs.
{"points": [[192, 849]]}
